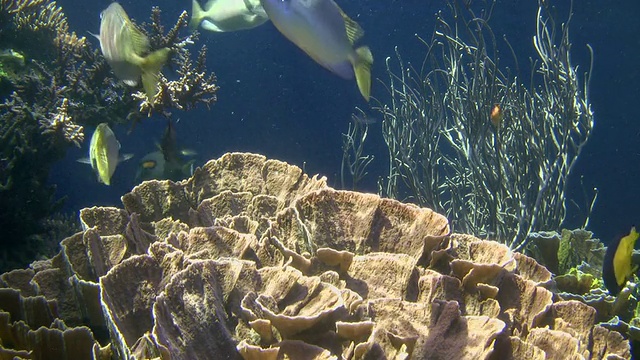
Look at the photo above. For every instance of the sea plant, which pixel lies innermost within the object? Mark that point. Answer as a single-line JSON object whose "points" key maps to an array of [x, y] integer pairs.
{"points": [[500, 176]]}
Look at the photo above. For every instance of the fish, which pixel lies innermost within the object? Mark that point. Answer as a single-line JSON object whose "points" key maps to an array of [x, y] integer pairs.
{"points": [[617, 268], [496, 116], [126, 49], [104, 153], [227, 15], [12, 56], [324, 32], [168, 162]]}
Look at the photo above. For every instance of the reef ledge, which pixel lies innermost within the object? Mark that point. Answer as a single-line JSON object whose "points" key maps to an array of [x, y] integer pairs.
{"points": [[250, 258]]}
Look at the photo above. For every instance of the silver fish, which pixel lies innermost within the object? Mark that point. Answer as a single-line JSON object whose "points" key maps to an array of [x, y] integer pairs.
{"points": [[323, 31], [125, 48], [227, 15]]}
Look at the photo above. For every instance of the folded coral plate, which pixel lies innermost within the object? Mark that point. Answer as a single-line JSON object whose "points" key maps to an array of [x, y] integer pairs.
{"points": [[251, 258]]}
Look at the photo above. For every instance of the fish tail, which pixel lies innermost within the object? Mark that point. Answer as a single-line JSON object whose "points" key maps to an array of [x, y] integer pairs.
{"points": [[362, 69], [187, 169], [151, 66], [197, 14]]}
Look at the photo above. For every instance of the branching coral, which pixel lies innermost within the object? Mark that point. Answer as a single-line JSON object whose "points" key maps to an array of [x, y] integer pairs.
{"points": [[61, 123], [63, 87], [35, 15], [503, 176], [193, 86]]}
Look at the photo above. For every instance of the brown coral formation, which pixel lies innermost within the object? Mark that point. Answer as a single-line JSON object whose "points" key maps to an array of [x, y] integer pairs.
{"points": [[252, 259]]}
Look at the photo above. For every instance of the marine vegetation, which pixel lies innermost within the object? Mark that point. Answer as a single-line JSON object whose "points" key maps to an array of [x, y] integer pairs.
{"points": [[586, 271], [354, 159], [478, 141], [64, 87]]}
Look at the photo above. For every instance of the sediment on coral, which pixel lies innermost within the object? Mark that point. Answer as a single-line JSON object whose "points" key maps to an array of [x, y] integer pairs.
{"points": [[252, 258]]}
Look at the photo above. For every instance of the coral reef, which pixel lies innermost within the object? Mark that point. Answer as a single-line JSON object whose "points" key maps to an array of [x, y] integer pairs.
{"points": [[576, 259], [251, 259], [61, 86], [572, 251]]}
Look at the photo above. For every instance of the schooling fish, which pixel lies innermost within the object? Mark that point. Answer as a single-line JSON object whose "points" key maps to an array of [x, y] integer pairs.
{"points": [[227, 15], [104, 153], [126, 49], [323, 31], [617, 268]]}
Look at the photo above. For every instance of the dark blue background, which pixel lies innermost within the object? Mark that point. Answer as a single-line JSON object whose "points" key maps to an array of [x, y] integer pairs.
{"points": [[276, 101]]}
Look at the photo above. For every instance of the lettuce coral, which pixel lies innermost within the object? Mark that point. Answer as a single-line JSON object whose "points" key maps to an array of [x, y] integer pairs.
{"points": [[252, 259]]}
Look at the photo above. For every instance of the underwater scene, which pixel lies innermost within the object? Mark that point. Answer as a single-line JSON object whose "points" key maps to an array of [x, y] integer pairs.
{"points": [[319, 179]]}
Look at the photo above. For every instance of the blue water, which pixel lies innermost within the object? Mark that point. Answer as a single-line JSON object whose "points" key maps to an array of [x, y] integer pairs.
{"points": [[276, 101]]}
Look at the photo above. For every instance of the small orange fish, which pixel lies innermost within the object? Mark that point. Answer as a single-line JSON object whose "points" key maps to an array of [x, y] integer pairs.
{"points": [[496, 115]]}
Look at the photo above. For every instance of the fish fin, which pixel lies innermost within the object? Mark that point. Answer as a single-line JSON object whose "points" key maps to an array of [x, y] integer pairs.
{"points": [[151, 66], [343, 69], [139, 41], [187, 168], [354, 31], [255, 10], [362, 68], [197, 14], [94, 35], [210, 26], [188, 152], [124, 157], [84, 160]]}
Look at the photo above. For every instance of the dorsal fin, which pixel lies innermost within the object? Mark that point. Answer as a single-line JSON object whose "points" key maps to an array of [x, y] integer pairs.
{"points": [[139, 41], [354, 31]]}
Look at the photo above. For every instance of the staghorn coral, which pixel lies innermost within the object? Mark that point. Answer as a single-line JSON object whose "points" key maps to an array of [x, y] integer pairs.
{"points": [[61, 122], [34, 15], [63, 87], [26, 155], [250, 258], [193, 85]]}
